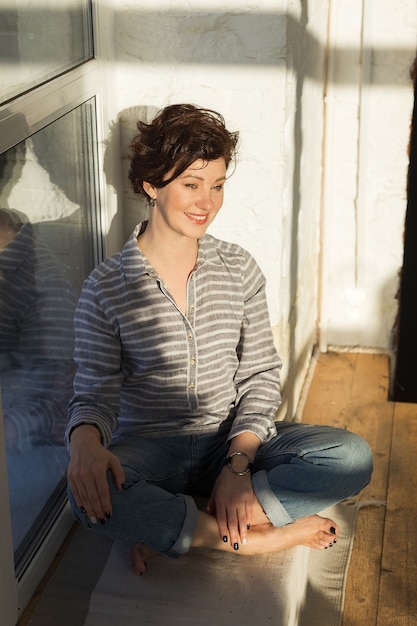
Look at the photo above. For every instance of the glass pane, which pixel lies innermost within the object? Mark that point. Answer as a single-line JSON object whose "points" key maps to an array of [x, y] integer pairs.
{"points": [[48, 244], [40, 40]]}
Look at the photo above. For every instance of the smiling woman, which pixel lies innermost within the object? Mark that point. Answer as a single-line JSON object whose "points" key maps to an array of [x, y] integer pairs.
{"points": [[177, 382]]}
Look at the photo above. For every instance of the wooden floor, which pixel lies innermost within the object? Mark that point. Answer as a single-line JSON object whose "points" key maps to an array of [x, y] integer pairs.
{"points": [[351, 391]]}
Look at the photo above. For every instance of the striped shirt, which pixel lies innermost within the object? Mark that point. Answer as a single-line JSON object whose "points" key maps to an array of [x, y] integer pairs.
{"points": [[145, 368]]}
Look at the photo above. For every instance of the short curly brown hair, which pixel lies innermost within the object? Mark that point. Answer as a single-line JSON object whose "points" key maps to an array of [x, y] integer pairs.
{"points": [[178, 136]]}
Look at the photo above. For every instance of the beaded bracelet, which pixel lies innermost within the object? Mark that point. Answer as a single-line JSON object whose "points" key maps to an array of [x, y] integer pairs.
{"points": [[228, 463]]}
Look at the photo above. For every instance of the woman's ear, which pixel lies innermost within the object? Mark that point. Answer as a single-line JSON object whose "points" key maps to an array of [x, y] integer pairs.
{"points": [[149, 189]]}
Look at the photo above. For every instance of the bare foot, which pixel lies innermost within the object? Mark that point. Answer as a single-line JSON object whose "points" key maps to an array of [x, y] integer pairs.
{"points": [[313, 531], [139, 555]]}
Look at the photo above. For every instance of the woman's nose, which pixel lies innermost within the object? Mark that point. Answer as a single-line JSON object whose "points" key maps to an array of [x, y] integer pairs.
{"points": [[205, 201]]}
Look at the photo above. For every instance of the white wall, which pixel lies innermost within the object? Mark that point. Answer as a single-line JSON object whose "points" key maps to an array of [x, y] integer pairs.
{"points": [[237, 58], [332, 255], [370, 99]]}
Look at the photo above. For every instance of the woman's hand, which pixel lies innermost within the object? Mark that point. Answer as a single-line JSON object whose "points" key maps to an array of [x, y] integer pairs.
{"points": [[232, 498], [87, 473], [231, 502]]}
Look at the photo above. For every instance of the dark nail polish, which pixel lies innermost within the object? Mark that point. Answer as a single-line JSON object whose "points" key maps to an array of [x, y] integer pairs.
{"points": [[108, 515], [82, 509], [225, 538], [102, 522], [334, 540], [330, 545], [248, 526], [235, 546], [333, 530]]}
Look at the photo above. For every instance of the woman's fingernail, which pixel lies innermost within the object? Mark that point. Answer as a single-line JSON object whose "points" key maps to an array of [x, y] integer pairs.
{"points": [[108, 515], [82, 509], [235, 546], [225, 538], [93, 520], [248, 526], [333, 530], [102, 522]]}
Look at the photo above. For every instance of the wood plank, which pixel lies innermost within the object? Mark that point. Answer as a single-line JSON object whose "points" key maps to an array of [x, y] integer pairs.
{"points": [[398, 597], [330, 389], [370, 414], [350, 391]]}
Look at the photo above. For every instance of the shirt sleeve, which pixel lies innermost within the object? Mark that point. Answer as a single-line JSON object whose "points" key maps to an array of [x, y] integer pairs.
{"points": [[97, 353], [257, 378]]}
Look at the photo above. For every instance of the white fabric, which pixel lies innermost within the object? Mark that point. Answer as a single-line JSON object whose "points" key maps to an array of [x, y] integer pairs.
{"points": [[297, 587]]}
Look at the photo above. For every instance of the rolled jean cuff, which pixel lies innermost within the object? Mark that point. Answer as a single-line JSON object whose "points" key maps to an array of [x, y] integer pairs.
{"points": [[273, 508], [185, 538]]}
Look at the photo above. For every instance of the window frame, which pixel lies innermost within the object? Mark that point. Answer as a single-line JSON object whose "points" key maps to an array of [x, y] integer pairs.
{"points": [[41, 106]]}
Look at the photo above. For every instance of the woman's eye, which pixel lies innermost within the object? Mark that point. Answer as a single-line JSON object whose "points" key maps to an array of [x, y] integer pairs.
{"points": [[191, 186], [218, 187]]}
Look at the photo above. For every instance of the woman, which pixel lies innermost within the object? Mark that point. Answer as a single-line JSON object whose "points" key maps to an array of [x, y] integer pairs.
{"points": [[178, 379]]}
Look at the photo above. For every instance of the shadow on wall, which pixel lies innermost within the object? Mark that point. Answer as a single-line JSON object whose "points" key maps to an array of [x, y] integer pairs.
{"points": [[241, 38], [132, 208], [232, 38]]}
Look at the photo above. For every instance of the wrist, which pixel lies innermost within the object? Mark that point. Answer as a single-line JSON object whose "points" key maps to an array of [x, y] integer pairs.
{"points": [[239, 463], [83, 432]]}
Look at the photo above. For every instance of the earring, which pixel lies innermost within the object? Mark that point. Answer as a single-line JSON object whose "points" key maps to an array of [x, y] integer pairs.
{"points": [[152, 202]]}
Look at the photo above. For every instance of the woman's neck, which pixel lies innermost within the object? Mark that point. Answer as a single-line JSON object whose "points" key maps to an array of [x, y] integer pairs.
{"points": [[166, 250]]}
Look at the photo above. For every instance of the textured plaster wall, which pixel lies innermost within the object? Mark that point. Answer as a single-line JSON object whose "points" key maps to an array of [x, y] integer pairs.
{"points": [[318, 196], [369, 108], [253, 63]]}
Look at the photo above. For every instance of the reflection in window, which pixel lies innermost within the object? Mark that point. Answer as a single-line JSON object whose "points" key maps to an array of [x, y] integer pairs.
{"points": [[47, 243], [40, 40]]}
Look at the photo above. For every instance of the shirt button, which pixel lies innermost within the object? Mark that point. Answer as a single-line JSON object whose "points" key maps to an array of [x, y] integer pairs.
{"points": [[191, 385], [193, 361], [190, 335]]}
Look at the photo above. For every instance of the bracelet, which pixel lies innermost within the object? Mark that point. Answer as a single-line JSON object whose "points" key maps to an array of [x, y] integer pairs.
{"points": [[228, 463]]}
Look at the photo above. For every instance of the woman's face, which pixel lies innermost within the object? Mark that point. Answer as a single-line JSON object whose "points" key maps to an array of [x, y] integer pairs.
{"points": [[189, 203]]}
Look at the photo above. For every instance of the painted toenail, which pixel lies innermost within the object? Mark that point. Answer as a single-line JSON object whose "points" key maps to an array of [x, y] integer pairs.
{"points": [[333, 530], [235, 546]]}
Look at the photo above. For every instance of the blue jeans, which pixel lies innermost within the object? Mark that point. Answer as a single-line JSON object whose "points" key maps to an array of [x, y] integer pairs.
{"points": [[301, 471]]}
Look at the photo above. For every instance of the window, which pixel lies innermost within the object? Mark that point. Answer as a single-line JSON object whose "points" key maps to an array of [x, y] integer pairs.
{"points": [[41, 40], [50, 238], [47, 242]]}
